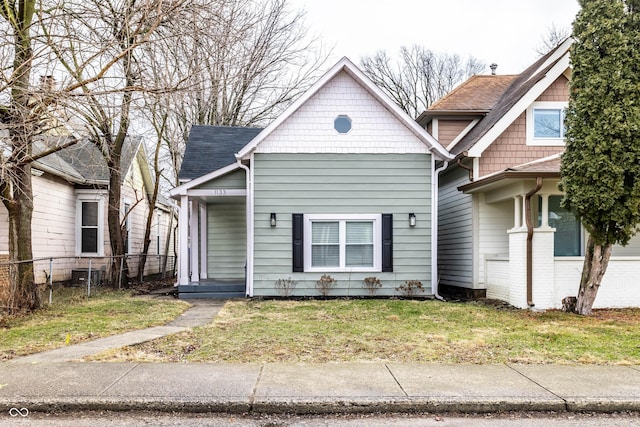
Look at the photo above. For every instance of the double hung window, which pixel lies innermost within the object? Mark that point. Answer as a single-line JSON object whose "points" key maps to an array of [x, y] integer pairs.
{"points": [[90, 223], [343, 243]]}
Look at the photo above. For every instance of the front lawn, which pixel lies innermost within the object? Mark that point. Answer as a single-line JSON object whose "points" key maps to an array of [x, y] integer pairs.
{"points": [[74, 318], [398, 331]]}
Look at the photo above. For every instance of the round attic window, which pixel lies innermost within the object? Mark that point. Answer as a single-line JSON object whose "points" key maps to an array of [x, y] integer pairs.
{"points": [[342, 124]]}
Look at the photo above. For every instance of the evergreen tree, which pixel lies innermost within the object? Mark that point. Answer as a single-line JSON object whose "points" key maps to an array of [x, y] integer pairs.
{"points": [[601, 164]]}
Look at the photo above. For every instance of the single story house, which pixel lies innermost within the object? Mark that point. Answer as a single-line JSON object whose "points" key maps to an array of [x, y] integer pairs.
{"points": [[343, 183]]}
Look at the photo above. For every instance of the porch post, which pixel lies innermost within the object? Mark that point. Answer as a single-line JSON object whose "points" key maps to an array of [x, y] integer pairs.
{"points": [[183, 239], [517, 212], [545, 211], [203, 241], [194, 232]]}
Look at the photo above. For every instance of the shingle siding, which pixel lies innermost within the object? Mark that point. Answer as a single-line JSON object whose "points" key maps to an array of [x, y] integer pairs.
{"points": [[310, 129]]}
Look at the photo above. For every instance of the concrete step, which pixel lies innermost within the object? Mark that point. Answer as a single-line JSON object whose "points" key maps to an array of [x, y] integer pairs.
{"points": [[217, 287], [212, 290], [211, 295]]}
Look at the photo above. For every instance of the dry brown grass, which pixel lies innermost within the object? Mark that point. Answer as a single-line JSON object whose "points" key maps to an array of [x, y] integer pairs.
{"points": [[399, 331]]}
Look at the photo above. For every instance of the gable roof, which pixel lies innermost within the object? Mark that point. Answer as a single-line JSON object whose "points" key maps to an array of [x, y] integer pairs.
{"points": [[83, 163], [354, 72], [210, 148], [478, 94], [514, 99]]}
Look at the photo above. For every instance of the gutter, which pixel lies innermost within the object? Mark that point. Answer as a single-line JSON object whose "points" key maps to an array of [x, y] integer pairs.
{"points": [[249, 225], [527, 209], [434, 225]]}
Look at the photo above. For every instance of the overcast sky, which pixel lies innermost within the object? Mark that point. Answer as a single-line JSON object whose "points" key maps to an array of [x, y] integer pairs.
{"points": [[506, 32]]}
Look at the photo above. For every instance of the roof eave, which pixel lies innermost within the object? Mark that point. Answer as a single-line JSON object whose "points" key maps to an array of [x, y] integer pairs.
{"points": [[478, 186]]}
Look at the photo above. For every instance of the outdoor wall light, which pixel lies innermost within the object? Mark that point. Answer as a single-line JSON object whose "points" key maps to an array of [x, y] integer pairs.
{"points": [[273, 219], [412, 220]]}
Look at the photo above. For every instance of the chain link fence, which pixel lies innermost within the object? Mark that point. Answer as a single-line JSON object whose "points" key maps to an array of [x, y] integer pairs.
{"points": [[89, 272]]}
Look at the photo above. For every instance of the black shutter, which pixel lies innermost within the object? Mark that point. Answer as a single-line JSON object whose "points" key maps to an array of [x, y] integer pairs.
{"points": [[298, 242], [387, 242]]}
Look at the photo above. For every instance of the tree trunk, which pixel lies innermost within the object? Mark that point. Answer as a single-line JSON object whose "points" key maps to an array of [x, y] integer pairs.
{"points": [[596, 260], [23, 292], [118, 277]]}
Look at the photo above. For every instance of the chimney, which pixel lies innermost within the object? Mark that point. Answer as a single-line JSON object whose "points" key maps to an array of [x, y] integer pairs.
{"points": [[493, 67], [47, 83]]}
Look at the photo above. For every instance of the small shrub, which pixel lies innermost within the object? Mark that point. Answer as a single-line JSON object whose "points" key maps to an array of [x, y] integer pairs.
{"points": [[286, 286], [371, 284], [411, 288], [325, 284]]}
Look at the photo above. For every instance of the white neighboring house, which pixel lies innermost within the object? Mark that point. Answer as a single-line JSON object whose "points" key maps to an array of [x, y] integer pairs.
{"points": [[69, 220]]}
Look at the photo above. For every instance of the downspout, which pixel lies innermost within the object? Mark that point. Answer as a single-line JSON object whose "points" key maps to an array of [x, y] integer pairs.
{"points": [[249, 225], [434, 225], [527, 209]]}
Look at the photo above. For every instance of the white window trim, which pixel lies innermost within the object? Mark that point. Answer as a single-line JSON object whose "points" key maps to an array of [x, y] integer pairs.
{"points": [[542, 105], [377, 242], [90, 196]]}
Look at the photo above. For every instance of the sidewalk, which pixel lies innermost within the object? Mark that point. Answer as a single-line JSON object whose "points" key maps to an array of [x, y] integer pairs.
{"points": [[45, 383], [316, 389]]}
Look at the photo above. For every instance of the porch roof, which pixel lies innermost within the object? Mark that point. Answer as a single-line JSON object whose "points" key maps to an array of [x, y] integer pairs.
{"points": [[544, 168]]}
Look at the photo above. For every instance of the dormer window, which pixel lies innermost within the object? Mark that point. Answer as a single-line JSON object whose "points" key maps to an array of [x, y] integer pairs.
{"points": [[545, 123]]}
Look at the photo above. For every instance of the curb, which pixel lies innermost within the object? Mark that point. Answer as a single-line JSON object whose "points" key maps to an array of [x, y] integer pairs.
{"points": [[319, 406]]}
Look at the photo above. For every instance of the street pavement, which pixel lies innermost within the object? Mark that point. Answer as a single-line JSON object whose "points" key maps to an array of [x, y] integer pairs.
{"points": [[59, 381]]}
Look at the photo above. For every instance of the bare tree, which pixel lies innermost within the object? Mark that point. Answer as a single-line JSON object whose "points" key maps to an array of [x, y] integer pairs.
{"points": [[238, 63], [419, 76], [28, 112], [552, 39], [97, 32]]}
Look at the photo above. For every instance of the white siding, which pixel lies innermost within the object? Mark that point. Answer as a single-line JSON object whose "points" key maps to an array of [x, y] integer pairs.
{"points": [[4, 230], [493, 241], [310, 129]]}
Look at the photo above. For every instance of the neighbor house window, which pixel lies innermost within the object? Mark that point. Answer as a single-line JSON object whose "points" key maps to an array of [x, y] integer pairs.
{"points": [[342, 243], [567, 240], [90, 224], [545, 123]]}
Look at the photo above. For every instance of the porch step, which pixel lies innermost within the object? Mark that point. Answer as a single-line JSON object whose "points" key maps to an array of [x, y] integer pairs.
{"points": [[212, 290]]}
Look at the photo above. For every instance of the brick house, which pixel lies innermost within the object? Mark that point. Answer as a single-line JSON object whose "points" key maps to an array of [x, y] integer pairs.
{"points": [[502, 232]]}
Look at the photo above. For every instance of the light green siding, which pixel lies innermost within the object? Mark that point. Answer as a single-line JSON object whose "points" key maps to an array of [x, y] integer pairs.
{"points": [[226, 240], [342, 184], [232, 180]]}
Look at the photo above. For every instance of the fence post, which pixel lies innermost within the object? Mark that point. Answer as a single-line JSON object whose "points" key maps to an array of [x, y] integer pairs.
{"points": [[89, 280], [50, 281], [120, 273]]}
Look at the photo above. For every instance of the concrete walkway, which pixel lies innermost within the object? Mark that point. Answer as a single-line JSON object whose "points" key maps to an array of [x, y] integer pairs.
{"points": [[200, 313], [50, 382]]}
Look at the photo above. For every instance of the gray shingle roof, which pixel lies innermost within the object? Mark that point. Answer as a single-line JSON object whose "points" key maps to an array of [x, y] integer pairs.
{"points": [[83, 163], [210, 148]]}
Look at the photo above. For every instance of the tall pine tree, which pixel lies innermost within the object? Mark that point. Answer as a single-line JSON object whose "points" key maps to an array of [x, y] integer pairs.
{"points": [[601, 164]]}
